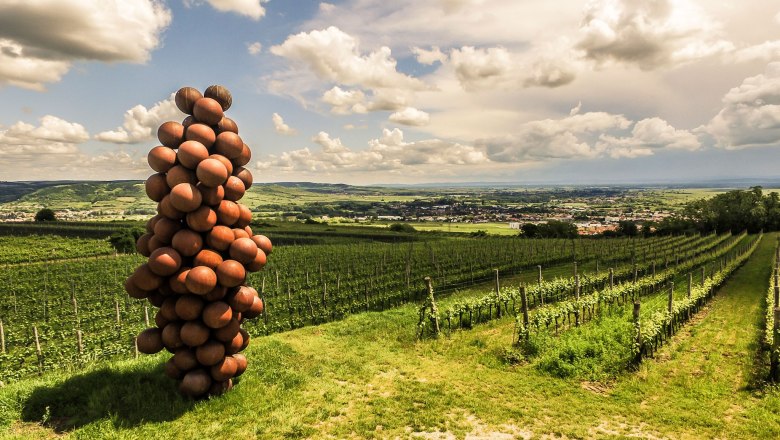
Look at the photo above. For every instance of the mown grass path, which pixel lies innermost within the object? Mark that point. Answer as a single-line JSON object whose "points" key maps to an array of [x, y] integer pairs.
{"points": [[367, 377]]}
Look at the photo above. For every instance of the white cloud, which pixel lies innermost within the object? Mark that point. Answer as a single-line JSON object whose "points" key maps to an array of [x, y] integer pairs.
{"points": [[648, 136], [428, 57], [751, 112], [141, 124], [410, 116], [327, 7], [650, 34], [40, 40], [280, 126], [345, 101], [765, 51], [254, 48], [387, 153], [249, 8], [334, 56]]}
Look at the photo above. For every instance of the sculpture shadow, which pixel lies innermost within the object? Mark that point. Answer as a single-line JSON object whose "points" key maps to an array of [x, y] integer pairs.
{"points": [[124, 398]]}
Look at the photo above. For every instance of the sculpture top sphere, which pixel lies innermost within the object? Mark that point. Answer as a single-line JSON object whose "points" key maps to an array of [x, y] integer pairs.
{"points": [[185, 99], [221, 95]]}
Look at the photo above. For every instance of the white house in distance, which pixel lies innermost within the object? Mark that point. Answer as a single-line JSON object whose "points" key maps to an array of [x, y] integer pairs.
{"points": [[514, 225]]}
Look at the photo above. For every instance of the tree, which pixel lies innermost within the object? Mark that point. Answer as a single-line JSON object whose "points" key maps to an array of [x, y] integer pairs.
{"points": [[45, 215], [551, 229], [124, 240], [627, 228], [402, 227]]}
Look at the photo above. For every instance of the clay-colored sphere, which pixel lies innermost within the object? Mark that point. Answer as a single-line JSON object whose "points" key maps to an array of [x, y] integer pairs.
{"points": [[263, 243], [168, 309], [172, 371], [195, 383], [185, 359], [142, 244], [244, 216], [171, 337], [234, 189], [189, 120], [189, 307], [156, 299], [150, 341], [256, 309], [185, 197], [166, 209], [211, 172], [155, 243], [208, 111], [191, 153], [244, 157], [210, 353], [220, 388], [241, 363], [258, 263], [245, 175], [165, 261], [201, 133], [224, 369], [176, 281], [228, 332], [231, 273], [194, 333], [145, 279], [185, 99], [228, 213], [202, 219], [220, 238], [241, 298], [243, 250], [240, 233], [179, 174], [156, 187], [165, 228], [217, 314], [171, 134], [207, 258], [225, 161], [234, 345], [227, 124], [229, 144], [150, 223], [220, 94], [187, 242], [161, 158], [212, 196], [135, 291], [200, 280]]}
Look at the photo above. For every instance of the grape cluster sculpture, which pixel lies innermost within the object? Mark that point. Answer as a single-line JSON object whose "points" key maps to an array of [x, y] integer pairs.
{"points": [[200, 246]]}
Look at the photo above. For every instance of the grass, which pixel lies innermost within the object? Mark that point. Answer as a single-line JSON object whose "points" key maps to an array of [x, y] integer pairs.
{"points": [[367, 377]]}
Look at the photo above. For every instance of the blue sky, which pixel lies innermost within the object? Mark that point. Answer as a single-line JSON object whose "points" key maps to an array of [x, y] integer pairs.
{"points": [[370, 91]]}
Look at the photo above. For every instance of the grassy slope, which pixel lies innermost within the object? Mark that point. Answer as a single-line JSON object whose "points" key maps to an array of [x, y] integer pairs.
{"points": [[367, 377]]}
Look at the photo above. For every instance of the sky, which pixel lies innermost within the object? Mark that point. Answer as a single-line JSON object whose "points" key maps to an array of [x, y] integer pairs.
{"points": [[404, 91]]}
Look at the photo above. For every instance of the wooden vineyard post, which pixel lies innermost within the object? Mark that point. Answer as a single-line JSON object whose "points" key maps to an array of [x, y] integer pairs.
{"points": [[38, 350], [611, 278], [146, 315], [575, 268], [79, 341], [690, 283], [577, 287], [638, 328], [432, 305], [539, 283], [774, 369], [2, 336], [135, 347], [497, 285], [118, 315], [670, 306], [636, 273], [524, 300], [703, 275], [498, 296]]}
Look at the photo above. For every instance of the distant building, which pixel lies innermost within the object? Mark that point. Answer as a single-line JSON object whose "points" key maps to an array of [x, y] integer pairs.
{"points": [[514, 225]]}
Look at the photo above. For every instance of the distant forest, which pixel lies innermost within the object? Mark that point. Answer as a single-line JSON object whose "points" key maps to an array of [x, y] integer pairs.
{"points": [[734, 211]]}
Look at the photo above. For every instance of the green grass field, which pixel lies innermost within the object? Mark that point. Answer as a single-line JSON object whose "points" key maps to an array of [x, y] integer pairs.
{"points": [[367, 377]]}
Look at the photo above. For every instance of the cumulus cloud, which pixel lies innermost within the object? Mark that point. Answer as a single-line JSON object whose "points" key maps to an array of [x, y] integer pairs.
{"points": [[428, 57], [254, 48], [140, 124], [280, 126], [249, 8], [410, 116], [387, 153], [40, 40], [650, 34], [327, 7], [648, 136], [751, 112]]}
